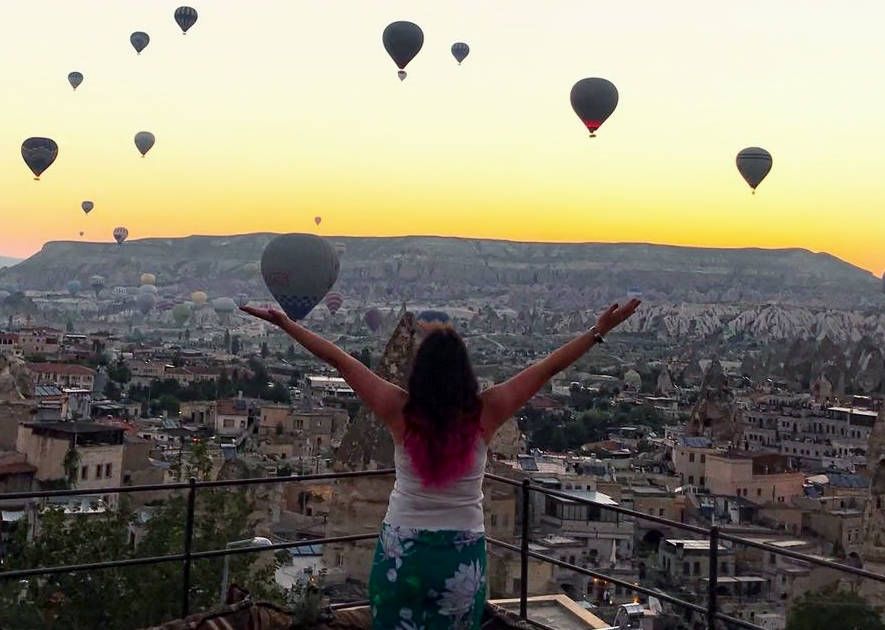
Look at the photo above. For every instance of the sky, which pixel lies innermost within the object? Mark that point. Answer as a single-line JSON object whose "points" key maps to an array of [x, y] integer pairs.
{"points": [[269, 113]]}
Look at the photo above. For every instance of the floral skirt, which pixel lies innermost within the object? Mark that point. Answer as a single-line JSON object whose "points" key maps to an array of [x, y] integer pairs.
{"points": [[428, 580]]}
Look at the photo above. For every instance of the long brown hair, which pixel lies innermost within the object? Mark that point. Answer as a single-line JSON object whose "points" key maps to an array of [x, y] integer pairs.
{"points": [[442, 413]]}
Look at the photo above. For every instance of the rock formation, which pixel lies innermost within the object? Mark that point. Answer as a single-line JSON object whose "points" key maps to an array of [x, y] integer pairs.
{"points": [[714, 415]]}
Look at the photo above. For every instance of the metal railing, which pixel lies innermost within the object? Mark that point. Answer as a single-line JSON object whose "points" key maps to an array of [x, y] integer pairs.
{"points": [[525, 487]]}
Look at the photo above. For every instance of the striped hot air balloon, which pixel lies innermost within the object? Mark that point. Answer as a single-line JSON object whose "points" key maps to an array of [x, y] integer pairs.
{"points": [[334, 300]]}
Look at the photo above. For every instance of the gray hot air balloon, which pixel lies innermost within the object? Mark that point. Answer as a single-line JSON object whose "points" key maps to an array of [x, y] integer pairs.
{"points": [[594, 100], [299, 270], [144, 140], [39, 154], [139, 41], [87, 206], [460, 50], [97, 284], [73, 287], [402, 41], [120, 235], [754, 163], [145, 302], [75, 79], [185, 17]]}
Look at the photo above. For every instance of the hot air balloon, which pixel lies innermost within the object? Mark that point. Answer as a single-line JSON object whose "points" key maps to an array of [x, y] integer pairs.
{"points": [[299, 270], [73, 287], [594, 100], [145, 302], [224, 305], [199, 297], [333, 301], [144, 140], [185, 17], [318, 220], [120, 235], [148, 278], [634, 292], [82, 232], [148, 288], [75, 79], [87, 206], [460, 50], [139, 41], [754, 164], [340, 248], [39, 154], [402, 41], [373, 319], [180, 314], [242, 299]]}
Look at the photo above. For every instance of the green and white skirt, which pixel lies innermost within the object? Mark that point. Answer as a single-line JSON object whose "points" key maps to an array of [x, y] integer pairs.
{"points": [[428, 580]]}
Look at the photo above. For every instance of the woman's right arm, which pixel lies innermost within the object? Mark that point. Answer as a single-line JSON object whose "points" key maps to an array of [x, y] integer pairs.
{"points": [[501, 401], [385, 399]]}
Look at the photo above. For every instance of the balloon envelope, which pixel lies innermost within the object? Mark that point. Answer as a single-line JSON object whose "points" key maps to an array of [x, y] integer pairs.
{"points": [[39, 154], [333, 301], [460, 50], [139, 41], [242, 299], [75, 79], [199, 297], [120, 235], [185, 17], [144, 140], [224, 305], [299, 270], [87, 206], [373, 319], [402, 41], [148, 278], [433, 317], [73, 287], [754, 163], [594, 100], [145, 302]]}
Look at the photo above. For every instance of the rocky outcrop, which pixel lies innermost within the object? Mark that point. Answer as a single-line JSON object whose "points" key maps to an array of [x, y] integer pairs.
{"points": [[874, 515], [714, 415]]}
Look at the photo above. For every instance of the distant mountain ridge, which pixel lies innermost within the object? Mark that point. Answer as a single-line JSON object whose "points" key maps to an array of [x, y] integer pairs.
{"points": [[7, 261], [448, 270]]}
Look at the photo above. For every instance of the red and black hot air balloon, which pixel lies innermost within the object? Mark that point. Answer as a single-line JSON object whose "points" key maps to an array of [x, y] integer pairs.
{"points": [[594, 100]]}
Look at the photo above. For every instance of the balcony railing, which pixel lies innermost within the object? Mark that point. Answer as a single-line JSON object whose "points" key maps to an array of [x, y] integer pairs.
{"points": [[710, 611]]}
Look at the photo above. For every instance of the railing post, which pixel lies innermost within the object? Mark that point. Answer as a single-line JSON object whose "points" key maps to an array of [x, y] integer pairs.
{"points": [[714, 578], [188, 543], [524, 551]]}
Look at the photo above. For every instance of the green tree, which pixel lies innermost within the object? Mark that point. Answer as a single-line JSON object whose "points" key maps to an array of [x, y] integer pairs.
{"points": [[265, 351], [834, 610]]}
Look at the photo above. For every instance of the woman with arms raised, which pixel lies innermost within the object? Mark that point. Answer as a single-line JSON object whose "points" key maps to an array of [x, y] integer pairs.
{"points": [[429, 571]]}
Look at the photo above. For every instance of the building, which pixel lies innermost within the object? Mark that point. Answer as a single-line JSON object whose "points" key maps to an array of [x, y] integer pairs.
{"points": [[64, 375], [99, 452], [760, 479], [232, 416], [39, 341]]}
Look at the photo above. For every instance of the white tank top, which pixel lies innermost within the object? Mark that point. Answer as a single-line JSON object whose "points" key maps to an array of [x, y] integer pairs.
{"points": [[457, 506]]}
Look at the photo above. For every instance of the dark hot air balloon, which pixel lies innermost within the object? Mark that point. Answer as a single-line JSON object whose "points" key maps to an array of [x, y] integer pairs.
{"points": [[39, 154], [460, 50], [299, 270], [75, 79], [402, 41], [139, 41], [431, 317], [594, 100], [87, 206], [144, 140], [333, 301], [318, 220], [73, 287], [373, 319], [120, 235], [242, 299], [185, 17], [145, 302], [754, 163]]}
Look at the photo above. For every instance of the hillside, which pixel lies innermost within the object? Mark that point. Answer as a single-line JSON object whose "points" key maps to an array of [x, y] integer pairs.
{"points": [[559, 277]]}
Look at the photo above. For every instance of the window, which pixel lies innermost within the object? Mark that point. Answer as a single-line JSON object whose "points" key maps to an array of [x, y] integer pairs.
{"points": [[691, 480], [758, 492], [107, 470], [701, 481], [691, 457], [98, 468], [686, 569], [660, 511], [697, 568], [703, 459], [493, 520], [84, 472]]}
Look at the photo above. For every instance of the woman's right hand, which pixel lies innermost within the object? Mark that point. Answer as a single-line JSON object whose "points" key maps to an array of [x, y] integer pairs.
{"points": [[271, 315]]}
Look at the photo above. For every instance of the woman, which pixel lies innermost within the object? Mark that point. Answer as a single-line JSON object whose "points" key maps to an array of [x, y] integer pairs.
{"points": [[429, 570]]}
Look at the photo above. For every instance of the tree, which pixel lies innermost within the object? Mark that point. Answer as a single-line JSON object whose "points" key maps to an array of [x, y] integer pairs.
{"points": [[235, 345], [834, 610], [129, 597], [265, 351]]}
